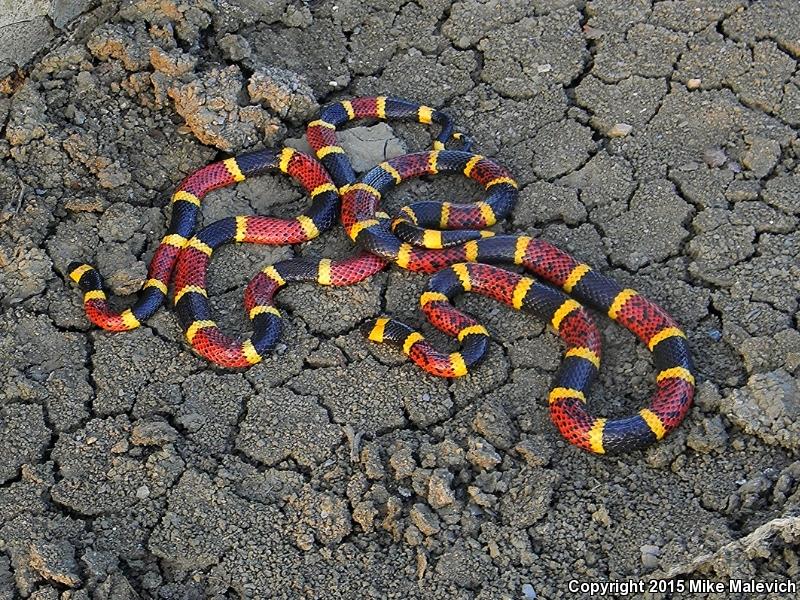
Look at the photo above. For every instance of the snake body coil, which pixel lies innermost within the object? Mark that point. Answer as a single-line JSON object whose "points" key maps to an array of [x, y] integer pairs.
{"points": [[448, 239]]}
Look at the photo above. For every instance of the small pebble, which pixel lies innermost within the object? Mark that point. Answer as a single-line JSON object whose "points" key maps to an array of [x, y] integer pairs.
{"points": [[483, 455], [714, 157], [143, 492], [425, 519], [620, 130], [481, 498], [403, 463], [650, 556], [305, 541], [235, 47], [693, 83], [650, 549], [439, 491], [528, 592], [602, 517], [649, 561], [592, 33], [120, 447]]}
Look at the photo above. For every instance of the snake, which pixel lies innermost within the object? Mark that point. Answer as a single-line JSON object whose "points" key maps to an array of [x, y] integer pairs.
{"points": [[185, 203], [450, 240]]}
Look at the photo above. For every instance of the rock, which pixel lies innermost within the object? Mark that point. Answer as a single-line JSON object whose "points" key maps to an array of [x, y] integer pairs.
{"points": [[173, 63], [764, 217], [688, 123], [212, 405], [38, 362], [409, 73], [482, 454], [707, 397], [719, 243], [96, 481], [440, 493], [99, 564], [284, 92], [55, 562], [467, 23], [619, 130], [327, 516], [425, 519], [694, 83], [234, 47], [714, 157], [27, 121], [761, 86], [768, 353], [603, 180], [560, 148], [370, 396], [619, 108], [128, 45], [207, 525], [364, 513], [543, 202], [116, 587], [297, 16], [602, 517], [645, 50], [402, 462], [481, 498], [24, 36], [650, 557], [784, 193], [449, 454], [528, 592], [23, 274], [371, 460], [465, 566], [305, 50], [327, 355], [506, 49], [413, 536], [210, 106]]}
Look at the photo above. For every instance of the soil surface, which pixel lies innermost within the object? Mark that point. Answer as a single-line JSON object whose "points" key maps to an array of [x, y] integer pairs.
{"points": [[657, 141]]}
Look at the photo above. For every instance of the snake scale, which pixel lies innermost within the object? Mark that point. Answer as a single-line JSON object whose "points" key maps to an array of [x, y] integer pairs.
{"points": [[449, 240]]}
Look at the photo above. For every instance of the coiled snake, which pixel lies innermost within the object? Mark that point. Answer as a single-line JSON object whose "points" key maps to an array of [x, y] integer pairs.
{"points": [[447, 239]]}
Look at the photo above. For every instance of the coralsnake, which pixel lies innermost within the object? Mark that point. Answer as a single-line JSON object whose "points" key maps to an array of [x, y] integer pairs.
{"points": [[447, 239]]}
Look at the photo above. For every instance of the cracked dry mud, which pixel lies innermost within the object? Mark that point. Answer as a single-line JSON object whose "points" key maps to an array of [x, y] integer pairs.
{"points": [[657, 141]]}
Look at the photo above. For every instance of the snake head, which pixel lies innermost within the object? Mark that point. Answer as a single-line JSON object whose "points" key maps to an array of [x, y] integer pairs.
{"points": [[466, 141]]}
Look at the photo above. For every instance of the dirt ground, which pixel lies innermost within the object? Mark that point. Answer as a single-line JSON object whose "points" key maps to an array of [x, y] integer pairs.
{"points": [[657, 141]]}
